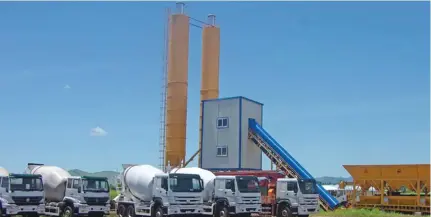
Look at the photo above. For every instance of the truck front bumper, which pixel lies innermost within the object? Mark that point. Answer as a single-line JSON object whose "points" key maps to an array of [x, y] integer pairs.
{"points": [[13, 209], [307, 210], [84, 209], [184, 209], [248, 208]]}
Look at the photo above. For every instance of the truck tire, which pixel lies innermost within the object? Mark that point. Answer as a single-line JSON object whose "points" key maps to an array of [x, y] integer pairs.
{"points": [[121, 210], [303, 215], [284, 211], [1, 212], [67, 212], [222, 211], [130, 211], [112, 205], [158, 212]]}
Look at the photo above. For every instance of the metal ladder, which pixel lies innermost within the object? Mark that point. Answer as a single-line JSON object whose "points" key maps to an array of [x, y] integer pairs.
{"points": [[279, 161], [163, 95]]}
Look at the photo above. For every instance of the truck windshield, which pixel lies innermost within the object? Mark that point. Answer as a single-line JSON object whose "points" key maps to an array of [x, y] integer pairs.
{"points": [[308, 186], [25, 183], [185, 182], [247, 184], [95, 185]]}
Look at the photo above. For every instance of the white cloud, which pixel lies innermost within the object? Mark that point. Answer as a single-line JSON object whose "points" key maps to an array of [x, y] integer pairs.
{"points": [[97, 131], [66, 86]]}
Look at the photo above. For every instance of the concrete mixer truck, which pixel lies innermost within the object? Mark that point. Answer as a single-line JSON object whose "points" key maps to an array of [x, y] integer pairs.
{"points": [[21, 194], [68, 196], [227, 195], [148, 191]]}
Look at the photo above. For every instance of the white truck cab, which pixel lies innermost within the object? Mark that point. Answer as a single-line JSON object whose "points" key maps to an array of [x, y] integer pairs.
{"points": [[234, 195], [297, 197], [68, 196], [21, 194], [180, 193], [85, 196], [171, 194], [339, 194]]}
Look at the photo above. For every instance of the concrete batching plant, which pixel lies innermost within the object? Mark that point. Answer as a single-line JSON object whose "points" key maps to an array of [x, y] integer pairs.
{"points": [[231, 136]]}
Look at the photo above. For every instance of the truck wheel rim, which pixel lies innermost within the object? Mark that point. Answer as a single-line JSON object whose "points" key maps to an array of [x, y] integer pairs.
{"points": [[222, 213], [121, 211], [284, 213], [159, 214], [67, 213]]}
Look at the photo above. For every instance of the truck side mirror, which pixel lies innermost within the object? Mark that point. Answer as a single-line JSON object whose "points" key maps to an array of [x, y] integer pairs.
{"points": [[295, 189], [79, 189]]}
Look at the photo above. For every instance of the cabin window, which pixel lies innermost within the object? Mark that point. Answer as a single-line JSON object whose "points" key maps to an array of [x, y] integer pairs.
{"points": [[5, 183], [222, 122], [165, 183], [69, 183], [76, 183], [221, 151], [292, 186], [230, 184]]}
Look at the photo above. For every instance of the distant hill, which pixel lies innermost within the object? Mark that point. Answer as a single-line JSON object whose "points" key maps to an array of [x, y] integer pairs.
{"points": [[328, 180], [111, 175]]}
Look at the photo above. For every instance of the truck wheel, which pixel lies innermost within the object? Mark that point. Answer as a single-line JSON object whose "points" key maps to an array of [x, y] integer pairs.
{"points": [[222, 211], [68, 211], [121, 210], [130, 211], [112, 205], [284, 211], [159, 212]]}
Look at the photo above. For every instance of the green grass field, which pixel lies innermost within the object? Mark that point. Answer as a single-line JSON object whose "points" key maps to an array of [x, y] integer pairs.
{"points": [[359, 213], [112, 194], [348, 213]]}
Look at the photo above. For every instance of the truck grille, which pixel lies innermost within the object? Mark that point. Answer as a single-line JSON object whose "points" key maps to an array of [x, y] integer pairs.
{"points": [[27, 200], [187, 200], [250, 200], [310, 201], [96, 200]]}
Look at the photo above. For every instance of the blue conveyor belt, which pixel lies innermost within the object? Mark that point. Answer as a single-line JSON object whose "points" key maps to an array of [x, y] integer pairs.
{"points": [[256, 129]]}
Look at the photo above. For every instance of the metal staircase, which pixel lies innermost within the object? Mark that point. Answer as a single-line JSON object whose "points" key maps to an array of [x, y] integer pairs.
{"points": [[280, 163]]}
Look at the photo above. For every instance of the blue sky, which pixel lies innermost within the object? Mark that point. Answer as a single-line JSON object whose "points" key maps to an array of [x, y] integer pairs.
{"points": [[342, 82]]}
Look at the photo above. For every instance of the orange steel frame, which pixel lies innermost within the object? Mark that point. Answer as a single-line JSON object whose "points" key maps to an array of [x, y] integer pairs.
{"points": [[388, 180]]}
